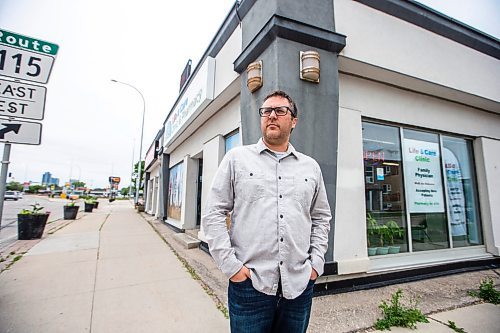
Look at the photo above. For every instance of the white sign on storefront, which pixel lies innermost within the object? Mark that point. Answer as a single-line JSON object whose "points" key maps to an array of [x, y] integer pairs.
{"points": [[423, 176], [195, 98]]}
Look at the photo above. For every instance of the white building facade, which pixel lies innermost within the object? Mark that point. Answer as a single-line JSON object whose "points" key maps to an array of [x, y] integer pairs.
{"points": [[404, 122]]}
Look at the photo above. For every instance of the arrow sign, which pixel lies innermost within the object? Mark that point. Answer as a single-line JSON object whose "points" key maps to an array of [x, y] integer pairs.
{"points": [[9, 128], [16, 131]]}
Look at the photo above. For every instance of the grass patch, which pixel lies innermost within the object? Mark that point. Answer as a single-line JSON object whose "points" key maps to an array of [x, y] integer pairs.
{"points": [[487, 292], [399, 315], [453, 326]]}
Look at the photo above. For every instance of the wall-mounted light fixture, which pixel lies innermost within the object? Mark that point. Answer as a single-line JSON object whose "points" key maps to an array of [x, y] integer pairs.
{"points": [[254, 76], [309, 66]]}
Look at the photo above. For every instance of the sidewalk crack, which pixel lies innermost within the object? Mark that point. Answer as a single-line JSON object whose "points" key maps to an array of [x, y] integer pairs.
{"points": [[95, 276]]}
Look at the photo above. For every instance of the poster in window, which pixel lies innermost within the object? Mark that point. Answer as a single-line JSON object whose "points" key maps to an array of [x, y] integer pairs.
{"points": [[423, 176], [175, 192], [456, 199]]}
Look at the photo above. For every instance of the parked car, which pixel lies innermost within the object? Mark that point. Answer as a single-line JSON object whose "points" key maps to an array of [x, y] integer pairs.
{"points": [[20, 195], [76, 195], [10, 195]]}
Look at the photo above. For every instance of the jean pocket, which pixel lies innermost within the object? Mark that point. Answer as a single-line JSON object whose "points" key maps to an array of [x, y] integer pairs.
{"points": [[240, 282]]}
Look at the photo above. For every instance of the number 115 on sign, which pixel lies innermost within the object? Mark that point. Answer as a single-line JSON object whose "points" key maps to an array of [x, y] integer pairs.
{"points": [[25, 65]]}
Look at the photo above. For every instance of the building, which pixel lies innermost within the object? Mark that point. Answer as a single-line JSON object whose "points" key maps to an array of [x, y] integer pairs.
{"points": [[46, 178], [404, 122]]}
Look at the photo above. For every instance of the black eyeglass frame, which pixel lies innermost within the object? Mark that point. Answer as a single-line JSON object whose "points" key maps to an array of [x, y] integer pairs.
{"points": [[275, 109]]}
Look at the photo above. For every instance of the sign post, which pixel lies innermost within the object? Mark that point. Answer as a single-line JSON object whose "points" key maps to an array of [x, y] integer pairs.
{"points": [[29, 59]]}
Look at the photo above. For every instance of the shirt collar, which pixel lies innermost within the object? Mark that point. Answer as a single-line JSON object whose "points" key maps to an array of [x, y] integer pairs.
{"points": [[261, 146]]}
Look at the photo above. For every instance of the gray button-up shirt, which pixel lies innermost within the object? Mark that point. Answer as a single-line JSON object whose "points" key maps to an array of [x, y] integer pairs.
{"points": [[280, 218]]}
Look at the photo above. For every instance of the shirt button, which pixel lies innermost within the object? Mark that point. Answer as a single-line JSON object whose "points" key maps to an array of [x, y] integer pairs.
{"points": [[281, 196], [279, 177], [281, 216], [281, 239], [281, 262]]}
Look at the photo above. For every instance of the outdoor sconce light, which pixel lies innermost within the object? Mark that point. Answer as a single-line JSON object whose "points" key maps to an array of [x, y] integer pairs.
{"points": [[309, 66], [254, 76]]}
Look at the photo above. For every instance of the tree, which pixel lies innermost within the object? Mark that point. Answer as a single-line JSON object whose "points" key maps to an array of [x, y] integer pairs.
{"points": [[78, 184], [35, 188], [124, 191], [14, 186]]}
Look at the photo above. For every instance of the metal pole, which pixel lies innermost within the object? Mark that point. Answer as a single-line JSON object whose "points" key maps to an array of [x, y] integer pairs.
{"points": [[3, 175], [132, 173], [138, 179]]}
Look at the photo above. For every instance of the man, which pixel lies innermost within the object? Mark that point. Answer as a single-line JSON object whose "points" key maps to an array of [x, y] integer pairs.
{"points": [[279, 225]]}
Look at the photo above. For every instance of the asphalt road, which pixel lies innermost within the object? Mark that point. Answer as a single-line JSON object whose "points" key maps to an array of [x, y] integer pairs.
{"points": [[8, 231]]}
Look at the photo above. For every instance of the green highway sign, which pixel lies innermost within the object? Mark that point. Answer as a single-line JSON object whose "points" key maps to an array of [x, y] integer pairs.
{"points": [[27, 43]]}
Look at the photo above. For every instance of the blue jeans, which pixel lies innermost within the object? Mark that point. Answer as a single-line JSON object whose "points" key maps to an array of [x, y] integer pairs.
{"points": [[251, 311]]}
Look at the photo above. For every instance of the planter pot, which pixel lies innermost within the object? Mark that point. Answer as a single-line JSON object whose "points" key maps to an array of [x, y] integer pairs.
{"points": [[96, 204], [372, 251], [89, 207], [70, 212], [31, 226], [140, 208], [111, 199], [394, 249], [382, 250]]}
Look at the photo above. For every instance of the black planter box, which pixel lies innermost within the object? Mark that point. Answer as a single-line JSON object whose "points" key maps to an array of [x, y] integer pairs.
{"points": [[31, 226], [89, 207], [70, 212], [96, 204]]}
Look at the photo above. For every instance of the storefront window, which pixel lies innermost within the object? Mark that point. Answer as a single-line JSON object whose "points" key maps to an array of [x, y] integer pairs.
{"points": [[426, 177], [175, 192], [462, 196], [384, 193], [424, 188], [233, 140]]}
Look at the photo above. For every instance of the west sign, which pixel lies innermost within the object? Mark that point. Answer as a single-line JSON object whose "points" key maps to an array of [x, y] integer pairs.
{"points": [[22, 100]]}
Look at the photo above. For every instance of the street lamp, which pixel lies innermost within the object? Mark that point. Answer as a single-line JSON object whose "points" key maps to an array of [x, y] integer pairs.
{"points": [[137, 180]]}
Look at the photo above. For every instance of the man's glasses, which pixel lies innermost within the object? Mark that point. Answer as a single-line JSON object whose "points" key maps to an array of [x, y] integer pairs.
{"points": [[279, 111]]}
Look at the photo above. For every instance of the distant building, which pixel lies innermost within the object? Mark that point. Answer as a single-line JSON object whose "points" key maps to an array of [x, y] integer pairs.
{"points": [[54, 181], [46, 178]]}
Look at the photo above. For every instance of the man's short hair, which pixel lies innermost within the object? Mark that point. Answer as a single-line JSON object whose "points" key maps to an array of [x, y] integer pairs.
{"points": [[281, 93]]}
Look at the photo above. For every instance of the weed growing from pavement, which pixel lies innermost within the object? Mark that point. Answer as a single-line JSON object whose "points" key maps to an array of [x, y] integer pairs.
{"points": [[397, 314], [11, 260], [487, 292], [453, 326]]}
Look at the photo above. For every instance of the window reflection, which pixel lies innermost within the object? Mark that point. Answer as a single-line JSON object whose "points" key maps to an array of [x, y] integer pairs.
{"points": [[439, 191], [386, 222]]}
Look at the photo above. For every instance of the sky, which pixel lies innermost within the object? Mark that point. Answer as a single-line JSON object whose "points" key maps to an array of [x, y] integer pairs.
{"points": [[92, 126]]}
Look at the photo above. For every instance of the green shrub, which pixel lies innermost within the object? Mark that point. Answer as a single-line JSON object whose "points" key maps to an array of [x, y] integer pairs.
{"points": [[487, 292], [397, 314]]}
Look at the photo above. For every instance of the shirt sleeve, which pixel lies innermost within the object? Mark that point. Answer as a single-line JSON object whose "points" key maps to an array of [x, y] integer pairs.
{"points": [[219, 204], [320, 217]]}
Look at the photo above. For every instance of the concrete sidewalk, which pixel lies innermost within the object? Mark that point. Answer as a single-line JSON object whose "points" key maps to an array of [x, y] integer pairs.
{"points": [[115, 270], [108, 271]]}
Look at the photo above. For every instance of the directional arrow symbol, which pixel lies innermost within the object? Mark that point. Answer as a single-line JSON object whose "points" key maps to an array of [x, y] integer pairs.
{"points": [[9, 128]]}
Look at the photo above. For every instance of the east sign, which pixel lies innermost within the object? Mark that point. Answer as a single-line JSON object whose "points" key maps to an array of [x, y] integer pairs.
{"points": [[22, 100]]}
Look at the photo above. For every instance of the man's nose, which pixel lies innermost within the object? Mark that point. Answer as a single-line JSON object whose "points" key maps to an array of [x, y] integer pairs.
{"points": [[273, 114]]}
